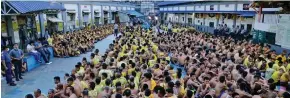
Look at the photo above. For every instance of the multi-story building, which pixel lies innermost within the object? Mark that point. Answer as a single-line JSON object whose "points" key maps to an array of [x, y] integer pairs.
{"points": [[207, 15], [22, 20]]}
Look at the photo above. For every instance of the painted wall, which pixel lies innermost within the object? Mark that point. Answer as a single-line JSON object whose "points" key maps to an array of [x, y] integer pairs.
{"points": [[199, 8], [210, 19], [198, 21], [175, 8], [240, 7], [170, 17], [215, 7], [190, 8], [245, 21], [182, 8], [278, 25], [86, 17], [73, 7], [227, 21], [227, 7], [113, 8]]}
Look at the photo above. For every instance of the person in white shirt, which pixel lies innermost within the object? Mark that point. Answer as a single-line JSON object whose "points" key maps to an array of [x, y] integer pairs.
{"points": [[127, 26], [116, 29], [31, 51], [169, 28]]}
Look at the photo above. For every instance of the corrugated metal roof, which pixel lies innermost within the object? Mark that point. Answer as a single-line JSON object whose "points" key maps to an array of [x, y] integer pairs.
{"points": [[32, 6]]}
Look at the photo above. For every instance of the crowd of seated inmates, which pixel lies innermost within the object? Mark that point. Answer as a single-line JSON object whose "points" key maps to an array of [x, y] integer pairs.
{"points": [[78, 42], [183, 64]]}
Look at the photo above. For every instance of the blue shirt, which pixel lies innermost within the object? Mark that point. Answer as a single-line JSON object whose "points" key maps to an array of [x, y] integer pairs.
{"points": [[16, 53], [5, 56]]}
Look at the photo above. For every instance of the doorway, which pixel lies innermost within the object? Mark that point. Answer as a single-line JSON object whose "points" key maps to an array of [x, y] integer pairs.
{"points": [[249, 27]]}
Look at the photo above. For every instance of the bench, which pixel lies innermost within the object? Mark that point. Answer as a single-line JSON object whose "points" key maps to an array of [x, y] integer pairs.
{"points": [[31, 63]]}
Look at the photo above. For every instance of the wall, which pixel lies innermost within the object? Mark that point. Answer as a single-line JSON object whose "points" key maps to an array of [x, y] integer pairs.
{"points": [[182, 8], [210, 19], [245, 21], [227, 7], [227, 21], [75, 8], [170, 17], [215, 7], [190, 8], [86, 17], [278, 25], [198, 21], [199, 7]]}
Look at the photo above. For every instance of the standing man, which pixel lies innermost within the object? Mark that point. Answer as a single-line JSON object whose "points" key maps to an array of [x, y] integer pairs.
{"points": [[127, 26], [17, 55], [169, 28], [116, 29], [131, 26], [6, 61]]}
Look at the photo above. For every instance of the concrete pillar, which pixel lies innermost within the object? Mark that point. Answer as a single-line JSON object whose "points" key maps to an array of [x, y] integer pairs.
{"points": [[110, 15], [102, 15], [41, 24], [64, 15], [80, 16], [186, 20], [235, 18], [10, 31], [92, 14], [217, 20]]}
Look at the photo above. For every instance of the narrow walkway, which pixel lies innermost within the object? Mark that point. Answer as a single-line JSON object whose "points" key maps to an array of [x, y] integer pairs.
{"points": [[42, 77]]}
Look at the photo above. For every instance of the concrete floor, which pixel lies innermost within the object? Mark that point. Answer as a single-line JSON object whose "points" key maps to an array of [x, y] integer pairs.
{"points": [[42, 77]]}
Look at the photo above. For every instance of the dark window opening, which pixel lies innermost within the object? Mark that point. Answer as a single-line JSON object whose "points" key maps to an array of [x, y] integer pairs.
{"points": [[246, 6], [211, 24], [211, 7]]}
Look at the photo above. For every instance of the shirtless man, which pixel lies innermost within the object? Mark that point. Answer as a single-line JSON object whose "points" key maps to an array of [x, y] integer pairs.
{"points": [[71, 92], [76, 87]]}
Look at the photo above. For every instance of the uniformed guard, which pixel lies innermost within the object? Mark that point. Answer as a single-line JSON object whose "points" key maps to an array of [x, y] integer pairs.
{"points": [[6, 61], [17, 56]]}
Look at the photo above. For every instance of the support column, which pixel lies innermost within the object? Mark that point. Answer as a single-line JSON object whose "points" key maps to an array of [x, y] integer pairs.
{"points": [[186, 20], [235, 18], [110, 15], [64, 15], [217, 20], [92, 14], [102, 15], [10, 31], [41, 24], [80, 16]]}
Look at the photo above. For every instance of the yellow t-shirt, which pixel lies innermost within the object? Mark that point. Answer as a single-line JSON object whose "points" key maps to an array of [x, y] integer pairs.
{"points": [[288, 67], [284, 77], [95, 61], [276, 67], [84, 85], [246, 61], [153, 84], [283, 58], [275, 76], [49, 40], [98, 88]]}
